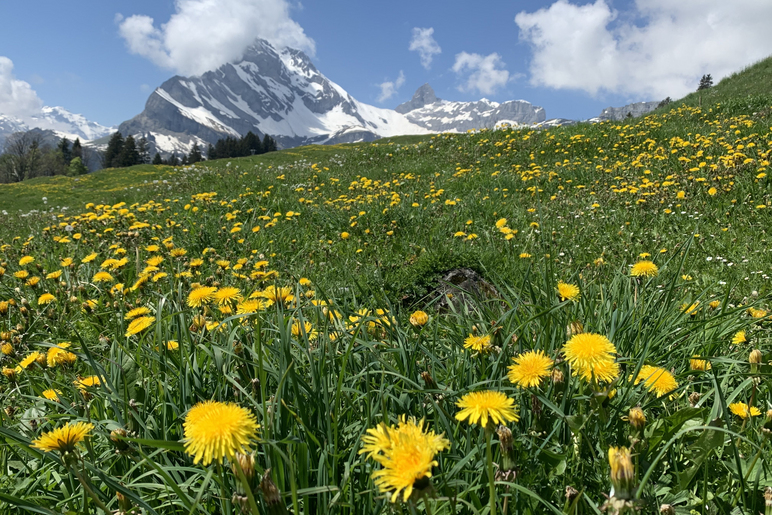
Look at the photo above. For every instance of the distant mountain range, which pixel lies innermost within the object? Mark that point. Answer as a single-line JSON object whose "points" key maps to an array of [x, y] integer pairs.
{"points": [[57, 119], [281, 93]]}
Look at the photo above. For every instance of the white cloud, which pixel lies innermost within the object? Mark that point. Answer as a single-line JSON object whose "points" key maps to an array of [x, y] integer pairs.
{"points": [[389, 88], [423, 43], [484, 74], [17, 98], [588, 47], [202, 35]]}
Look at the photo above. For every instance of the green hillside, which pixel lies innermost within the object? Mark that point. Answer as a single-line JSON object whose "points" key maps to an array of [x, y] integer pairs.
{"points": [[272, 334]]}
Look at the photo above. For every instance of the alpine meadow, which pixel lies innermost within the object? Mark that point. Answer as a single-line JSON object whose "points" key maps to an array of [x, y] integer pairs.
{"points": [[569, 320]]}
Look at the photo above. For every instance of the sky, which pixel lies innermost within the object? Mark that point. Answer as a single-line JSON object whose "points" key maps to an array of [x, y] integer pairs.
{"points": [[103, 58]]}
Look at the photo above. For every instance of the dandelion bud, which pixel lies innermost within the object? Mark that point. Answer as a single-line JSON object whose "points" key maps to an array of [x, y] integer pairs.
{"points": [[694, 398], [571, 494], [557, 376], [117, 438], [428, 380], [636, 418], [622, 473], [124, 503], [755, 357], [247, 464], [23, 310], [242, 501], [666, 509], [574, 328], [270, 492], [505, 438], [768, 501]]}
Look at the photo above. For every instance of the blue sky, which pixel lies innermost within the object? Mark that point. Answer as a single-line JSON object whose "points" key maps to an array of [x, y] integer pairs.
{"points": [[571, 57]]}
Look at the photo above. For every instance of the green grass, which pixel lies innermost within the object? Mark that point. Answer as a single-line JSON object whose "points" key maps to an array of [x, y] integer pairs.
{"points": [[360, 235]]}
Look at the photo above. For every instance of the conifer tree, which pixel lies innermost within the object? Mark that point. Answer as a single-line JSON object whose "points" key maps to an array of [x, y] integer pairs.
{"points": [[77, 167], [252, 144], [77, 149], [706, 82], [142, 151], [64, 149], [129, 155], [157, 159], [210, 153], [114, 149], [195, 154], [269, 144]]}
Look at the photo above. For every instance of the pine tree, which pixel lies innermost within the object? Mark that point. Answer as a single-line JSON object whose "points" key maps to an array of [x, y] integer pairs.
{"points": [[252, 144], [173, 161], [114, 148], [64, 149], [706, 82], [77, 149], [269, 144], [157, 160], [142, 151], [195, 154], [210, 153], [129, 155]]}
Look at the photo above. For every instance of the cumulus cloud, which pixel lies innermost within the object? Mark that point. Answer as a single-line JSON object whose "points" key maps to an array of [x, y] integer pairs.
{"points": [[484, 74], [389, 88], [17, 98], [202, 35], [423, 43], [659, 48]]}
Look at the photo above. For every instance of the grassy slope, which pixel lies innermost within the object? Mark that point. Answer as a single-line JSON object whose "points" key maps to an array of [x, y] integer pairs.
{"points": [[688, 187]]}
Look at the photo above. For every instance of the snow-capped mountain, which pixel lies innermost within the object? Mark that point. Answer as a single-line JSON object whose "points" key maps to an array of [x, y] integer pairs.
{"points": [[57, 119], [436, 115], [270, 91]]}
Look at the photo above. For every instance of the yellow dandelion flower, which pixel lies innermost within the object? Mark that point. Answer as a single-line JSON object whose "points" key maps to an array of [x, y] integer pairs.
{"points": [[306, 329], [52, 394], [227, 294], [63, 439], [592, 355], [139, 324], [87, 382], [405, 452], [31, 358], [419, 318], [100, 277], [479, 407], [644, 269], [58, 355], [154, 261], [714, 304], [741, 410], [699, 364], [478, 343], [21, 274], [568, 291], [657, 380], [172, 345], [64, 263], [26, 260], [529, 369], [136, 312], [216, 430], [277, 294], [89, 258], [524, 255], [201, 296], [739, 337], [501, 222], [46, 298], [54, 275]]}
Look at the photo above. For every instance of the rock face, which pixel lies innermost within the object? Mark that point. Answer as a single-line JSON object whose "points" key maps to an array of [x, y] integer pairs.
{"points": [[620, 113], [270, 91], [428, 111], [423, 96]]}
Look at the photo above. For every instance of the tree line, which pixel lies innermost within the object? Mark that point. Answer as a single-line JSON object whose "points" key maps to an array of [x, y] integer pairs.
{"points": [[27, 155], [32, 154]]}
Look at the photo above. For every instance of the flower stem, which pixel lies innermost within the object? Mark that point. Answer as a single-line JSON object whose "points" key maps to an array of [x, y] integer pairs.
{"points": [[88, 489], [491, 479]]}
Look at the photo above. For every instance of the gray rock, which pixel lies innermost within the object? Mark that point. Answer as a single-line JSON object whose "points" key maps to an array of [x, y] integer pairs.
{"points": [[620, 113], [423, 96], [459, 287]]}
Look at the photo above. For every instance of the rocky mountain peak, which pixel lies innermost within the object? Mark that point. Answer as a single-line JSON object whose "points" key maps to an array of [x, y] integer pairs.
{"points": [[423, 96]]}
